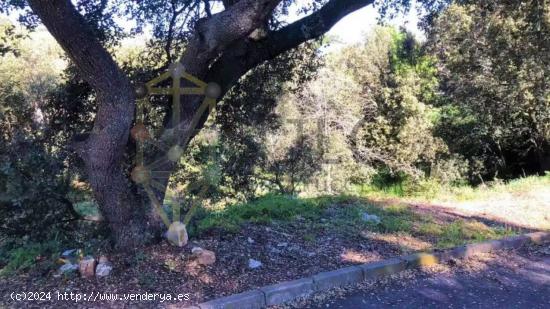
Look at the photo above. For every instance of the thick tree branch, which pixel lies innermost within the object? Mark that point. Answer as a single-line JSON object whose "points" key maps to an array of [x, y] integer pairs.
{"points": [[228, 3], [69, 29], [246, 54], [309, 27], [215, 33], [221, 50]]}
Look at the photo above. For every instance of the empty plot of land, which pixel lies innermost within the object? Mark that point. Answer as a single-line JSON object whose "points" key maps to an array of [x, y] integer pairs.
{"points": [[527, 208]]}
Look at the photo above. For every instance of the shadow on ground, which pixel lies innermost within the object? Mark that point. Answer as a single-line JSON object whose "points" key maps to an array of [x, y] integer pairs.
{"points": [[505, 279]]}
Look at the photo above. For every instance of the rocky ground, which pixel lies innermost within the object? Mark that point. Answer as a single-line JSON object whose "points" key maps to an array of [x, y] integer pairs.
{"points": [[167, 269]]}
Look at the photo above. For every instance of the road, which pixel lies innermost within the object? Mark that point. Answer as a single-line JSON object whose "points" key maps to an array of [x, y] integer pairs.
{"points": [[502, 280]]}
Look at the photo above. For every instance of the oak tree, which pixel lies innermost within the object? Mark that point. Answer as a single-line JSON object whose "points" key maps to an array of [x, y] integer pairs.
{"points": [[222, 40]]}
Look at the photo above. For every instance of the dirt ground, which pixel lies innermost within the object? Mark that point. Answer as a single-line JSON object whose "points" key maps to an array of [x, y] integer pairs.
{"points": [[529, 208]]}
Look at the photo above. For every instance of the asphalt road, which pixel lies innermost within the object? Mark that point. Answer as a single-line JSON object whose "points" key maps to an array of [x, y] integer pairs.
{"points": [[508, 280]]}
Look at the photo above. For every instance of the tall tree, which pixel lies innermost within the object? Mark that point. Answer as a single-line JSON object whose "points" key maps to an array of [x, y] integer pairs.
{"points": [[494, 66]]}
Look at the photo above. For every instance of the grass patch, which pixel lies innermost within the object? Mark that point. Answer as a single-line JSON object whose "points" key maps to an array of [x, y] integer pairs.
{"points": [[393, 219], [394, 224], [427, 190], [343, 215], [467, 193], [430, 228], [25, 257], [461, 232], [263, 211]]}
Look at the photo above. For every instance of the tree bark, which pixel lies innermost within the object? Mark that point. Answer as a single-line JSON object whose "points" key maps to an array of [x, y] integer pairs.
{"points": [[103, 151]]}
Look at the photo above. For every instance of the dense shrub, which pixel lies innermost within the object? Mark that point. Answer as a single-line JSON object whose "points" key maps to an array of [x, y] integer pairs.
{"points": [[33, 203]]}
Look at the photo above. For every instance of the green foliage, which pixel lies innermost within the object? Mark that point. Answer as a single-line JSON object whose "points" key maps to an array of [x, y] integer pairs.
{"points": [[493, 65], [396, 134], [263, 210], [386, 184], [461, 232], [23, 258], [32, 206], [234, 145], [9, 38], [33, 180]]}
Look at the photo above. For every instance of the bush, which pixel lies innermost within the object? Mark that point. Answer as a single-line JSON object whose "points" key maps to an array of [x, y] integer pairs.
{"points": [[33, 205], [25, 257]]}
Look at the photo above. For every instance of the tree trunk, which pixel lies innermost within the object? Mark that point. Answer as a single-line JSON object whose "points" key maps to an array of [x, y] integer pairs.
{"points": [[103, 151]]}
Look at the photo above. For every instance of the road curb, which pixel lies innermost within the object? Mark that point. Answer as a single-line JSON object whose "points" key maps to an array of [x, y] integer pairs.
{"points": [[280, 293], [340, 277]]}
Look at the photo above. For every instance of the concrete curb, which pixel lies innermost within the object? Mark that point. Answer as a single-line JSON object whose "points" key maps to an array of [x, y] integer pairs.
{"points": [[280, 293]]}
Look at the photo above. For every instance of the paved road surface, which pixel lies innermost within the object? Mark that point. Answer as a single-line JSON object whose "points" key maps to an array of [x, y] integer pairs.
{"points": [[507, 280]]}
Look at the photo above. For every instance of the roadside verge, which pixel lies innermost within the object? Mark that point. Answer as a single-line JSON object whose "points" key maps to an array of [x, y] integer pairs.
{"points": [[280, 293]]}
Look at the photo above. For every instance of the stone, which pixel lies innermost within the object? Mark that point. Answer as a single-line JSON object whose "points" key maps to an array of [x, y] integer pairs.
{"points": [[68, 253], [253, 264], [196, 250], [66, 268], [103, 269], [87, 267], [177, 234], [69, 256], [282, 244], [204, 257], [250, 240], [370, 218]]}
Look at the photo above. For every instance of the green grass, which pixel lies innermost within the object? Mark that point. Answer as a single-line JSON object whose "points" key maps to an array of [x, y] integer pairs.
{"points": [[343, 216], [263, 210], [461, 232], [25, 257], [468, 193], [431, 190], [430, 229]]}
